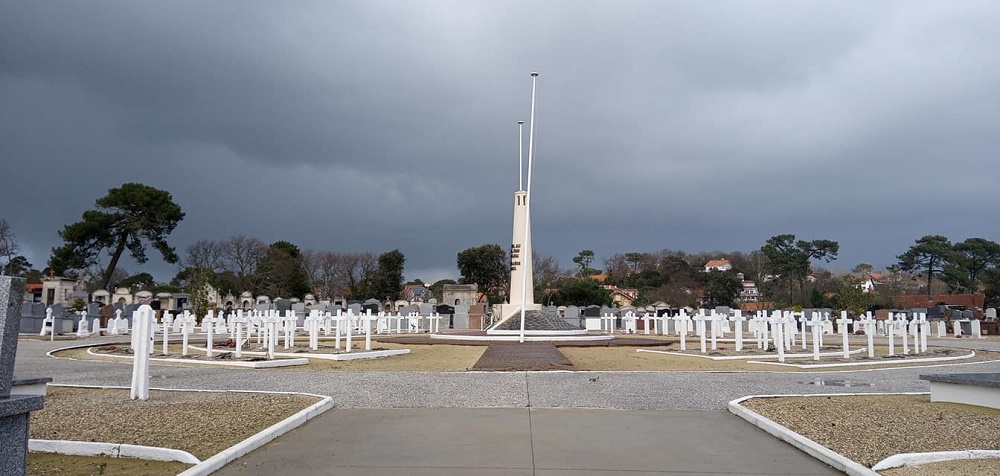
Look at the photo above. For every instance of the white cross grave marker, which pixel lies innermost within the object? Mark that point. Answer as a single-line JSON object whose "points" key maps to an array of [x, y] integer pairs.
{"points": [[143, 322], [842, 324]]}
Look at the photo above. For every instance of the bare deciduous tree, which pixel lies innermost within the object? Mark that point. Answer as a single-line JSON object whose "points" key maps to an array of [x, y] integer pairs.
{"points": [[8, 243]]}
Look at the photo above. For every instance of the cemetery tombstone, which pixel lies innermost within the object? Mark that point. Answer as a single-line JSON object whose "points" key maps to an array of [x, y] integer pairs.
{"points": [[680, 324], [613, 312], [82, 326], [129, 311], [976, 329], [282, 306], [842, 325], [94, 309], [370, 305], [446, 310], [778, 320], [142, 346], [411, 308], [14, 410], [31, 323], [461, 317]]}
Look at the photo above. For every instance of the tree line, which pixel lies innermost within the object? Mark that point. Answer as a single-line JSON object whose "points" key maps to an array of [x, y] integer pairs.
{"points": [[134, 217]]}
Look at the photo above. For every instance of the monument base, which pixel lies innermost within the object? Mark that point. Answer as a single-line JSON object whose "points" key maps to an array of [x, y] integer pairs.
{"points": [[508, 311], [536, 321]]}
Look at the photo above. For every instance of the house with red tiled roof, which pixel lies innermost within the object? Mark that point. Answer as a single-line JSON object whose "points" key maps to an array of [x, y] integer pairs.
{"points": [[756, 306], [34, 290], [719, 264], [623, 297]]}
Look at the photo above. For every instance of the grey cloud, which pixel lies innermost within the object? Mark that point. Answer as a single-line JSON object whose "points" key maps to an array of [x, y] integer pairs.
{"points": [[379, 125]]}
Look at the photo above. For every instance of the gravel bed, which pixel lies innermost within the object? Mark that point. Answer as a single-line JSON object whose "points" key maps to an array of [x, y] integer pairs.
{"points": [[870, 428], [201, 423], [964, 467]]}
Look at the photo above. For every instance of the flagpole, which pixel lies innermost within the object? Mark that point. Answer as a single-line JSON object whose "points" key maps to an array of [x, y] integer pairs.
{"points": [[527, 205]]}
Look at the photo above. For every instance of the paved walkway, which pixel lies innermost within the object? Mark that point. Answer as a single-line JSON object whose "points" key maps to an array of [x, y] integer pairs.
{"points": [[370, 397], [506, 441], [509, 356]]}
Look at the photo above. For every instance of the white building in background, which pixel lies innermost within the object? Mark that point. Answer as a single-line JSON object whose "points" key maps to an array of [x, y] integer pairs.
{"points": [[749, 291], [718, 264], [60, 290]]}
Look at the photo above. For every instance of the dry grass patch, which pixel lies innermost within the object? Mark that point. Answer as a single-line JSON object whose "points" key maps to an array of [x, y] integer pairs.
{"points": [[456, 358], [870, 428], [47, 464], [422, 358], [626, 358]]}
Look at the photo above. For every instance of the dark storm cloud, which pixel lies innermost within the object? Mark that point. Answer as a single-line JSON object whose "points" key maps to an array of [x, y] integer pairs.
{"points": [[356, 126]]}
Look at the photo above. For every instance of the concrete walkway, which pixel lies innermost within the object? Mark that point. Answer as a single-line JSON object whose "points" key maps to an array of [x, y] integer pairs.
{"points": [[526, 442]]}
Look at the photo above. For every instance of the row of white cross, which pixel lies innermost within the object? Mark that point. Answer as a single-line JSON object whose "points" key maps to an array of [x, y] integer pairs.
{"points": [[269, 327], [781, 329]]}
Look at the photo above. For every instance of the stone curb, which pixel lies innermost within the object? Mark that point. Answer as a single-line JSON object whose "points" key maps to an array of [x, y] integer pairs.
{"points": [[261, 364], [230, 454], [354, 355], [747, 357], [972, 354], [114, 450], [916, 459], [810, 447]]}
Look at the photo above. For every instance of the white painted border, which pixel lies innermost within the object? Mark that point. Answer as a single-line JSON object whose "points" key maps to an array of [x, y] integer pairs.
{"points": [[260, 364], [527, 337], [256, 441], [114, 450], [353, 355], [866, 364], [812, 448], [745, 357], [574, 332], [230, 454], [917, 459]]}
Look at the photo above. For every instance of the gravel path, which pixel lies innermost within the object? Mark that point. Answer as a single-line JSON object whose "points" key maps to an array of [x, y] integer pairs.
{"points": [[622, 390], [526, 356]]}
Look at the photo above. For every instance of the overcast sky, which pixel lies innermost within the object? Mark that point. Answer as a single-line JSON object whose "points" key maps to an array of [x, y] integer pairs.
{"points": [[369, 125]]}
